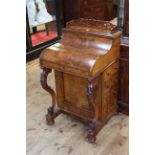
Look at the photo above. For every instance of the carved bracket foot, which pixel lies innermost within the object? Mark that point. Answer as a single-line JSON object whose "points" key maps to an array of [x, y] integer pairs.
{"points": [[91, 137], [93, 128], [49, 116]]}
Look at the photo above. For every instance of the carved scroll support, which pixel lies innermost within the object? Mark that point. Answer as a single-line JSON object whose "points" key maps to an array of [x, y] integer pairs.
{"points": [[51, 113], [93, 124]]}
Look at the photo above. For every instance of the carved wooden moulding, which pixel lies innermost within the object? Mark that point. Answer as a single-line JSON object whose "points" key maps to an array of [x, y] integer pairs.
{"points": [[85, 62]]}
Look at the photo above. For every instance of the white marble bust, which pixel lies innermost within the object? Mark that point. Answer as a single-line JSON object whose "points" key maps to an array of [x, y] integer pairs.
{"points": [[42, 16]]}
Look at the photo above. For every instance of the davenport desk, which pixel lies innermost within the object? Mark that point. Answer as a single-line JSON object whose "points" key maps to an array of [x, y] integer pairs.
{"points": [[86, 64]]}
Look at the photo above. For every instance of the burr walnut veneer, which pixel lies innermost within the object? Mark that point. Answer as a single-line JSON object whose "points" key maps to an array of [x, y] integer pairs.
{"points": [[86, 64]]}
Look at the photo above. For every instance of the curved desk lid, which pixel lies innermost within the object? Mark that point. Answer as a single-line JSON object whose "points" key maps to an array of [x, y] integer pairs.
{"points": [[79, 52]]}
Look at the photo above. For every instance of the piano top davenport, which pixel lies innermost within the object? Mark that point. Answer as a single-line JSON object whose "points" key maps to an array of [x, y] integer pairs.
{"points": [[85, 62]]}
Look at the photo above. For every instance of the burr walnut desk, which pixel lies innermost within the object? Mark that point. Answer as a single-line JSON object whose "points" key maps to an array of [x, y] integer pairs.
{"points": [[85, 62]]}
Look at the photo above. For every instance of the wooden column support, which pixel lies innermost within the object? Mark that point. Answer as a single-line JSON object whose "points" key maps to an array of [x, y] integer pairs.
{"points": [[93, 124], [51, 110]]}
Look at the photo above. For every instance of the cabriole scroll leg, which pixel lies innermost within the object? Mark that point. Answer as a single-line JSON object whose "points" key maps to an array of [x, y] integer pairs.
{"points": [[50, 115]]}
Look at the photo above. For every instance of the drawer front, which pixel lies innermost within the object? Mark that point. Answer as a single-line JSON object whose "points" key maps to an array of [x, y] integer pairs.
{"points": [[109, 90], [92, 12], [87, 3]]}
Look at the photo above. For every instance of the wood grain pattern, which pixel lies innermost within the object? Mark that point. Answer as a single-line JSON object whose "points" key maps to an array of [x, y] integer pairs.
{"points": [[110, 90], [72, 85], [86, 80]]}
